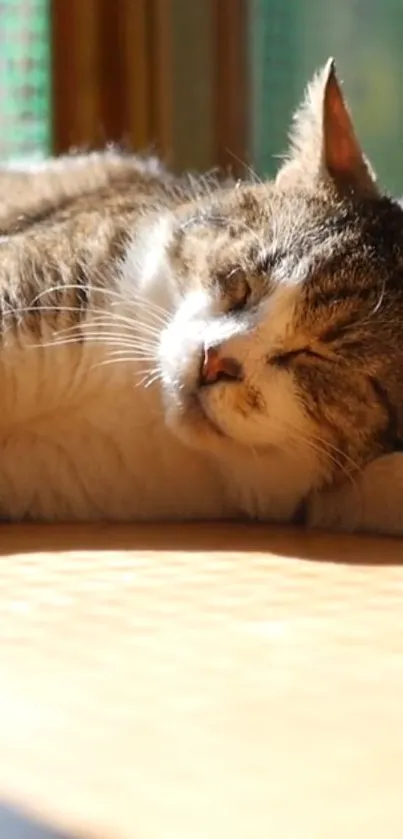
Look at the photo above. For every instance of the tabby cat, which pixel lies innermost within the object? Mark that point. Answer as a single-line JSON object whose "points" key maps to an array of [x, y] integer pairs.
{"points": [[174, 348]]}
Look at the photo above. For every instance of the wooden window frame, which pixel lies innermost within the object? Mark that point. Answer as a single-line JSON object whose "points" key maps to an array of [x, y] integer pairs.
{"points": [[114, 79]]}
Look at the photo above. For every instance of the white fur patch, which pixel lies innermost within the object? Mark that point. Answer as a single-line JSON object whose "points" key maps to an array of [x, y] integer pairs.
{"points": [[145, 270]]}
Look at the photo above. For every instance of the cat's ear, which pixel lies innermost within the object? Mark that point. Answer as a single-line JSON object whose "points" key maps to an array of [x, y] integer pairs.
{"points": [[324, 146]]}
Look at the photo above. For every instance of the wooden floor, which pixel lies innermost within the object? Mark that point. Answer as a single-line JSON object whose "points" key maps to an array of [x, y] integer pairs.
{"points": [[202, 682]]}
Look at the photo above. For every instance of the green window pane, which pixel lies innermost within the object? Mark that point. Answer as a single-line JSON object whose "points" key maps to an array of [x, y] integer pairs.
{"points": [[25, 123], [290, 39]]}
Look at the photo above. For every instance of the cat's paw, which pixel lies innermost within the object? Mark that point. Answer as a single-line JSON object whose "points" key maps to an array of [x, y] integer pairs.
{"points": [[372, 503]]}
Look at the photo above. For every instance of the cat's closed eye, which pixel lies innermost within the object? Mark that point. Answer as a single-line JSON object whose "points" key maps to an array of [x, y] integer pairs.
{"points": [[285, 359]]}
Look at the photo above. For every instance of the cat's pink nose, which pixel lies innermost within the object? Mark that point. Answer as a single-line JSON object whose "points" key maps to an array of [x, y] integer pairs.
{"points": [[216, 367]]}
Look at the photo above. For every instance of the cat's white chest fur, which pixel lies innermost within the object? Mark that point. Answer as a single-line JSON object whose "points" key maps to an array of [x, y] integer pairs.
{"points": [[80, 440]]}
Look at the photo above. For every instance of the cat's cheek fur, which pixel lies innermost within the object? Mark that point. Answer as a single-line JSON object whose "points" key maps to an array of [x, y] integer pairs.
{"points": [[263, 412], [372, 503]]}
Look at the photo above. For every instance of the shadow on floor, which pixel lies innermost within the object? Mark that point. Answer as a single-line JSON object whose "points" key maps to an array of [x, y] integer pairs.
{"points": [[15, 825], [291, 542]]}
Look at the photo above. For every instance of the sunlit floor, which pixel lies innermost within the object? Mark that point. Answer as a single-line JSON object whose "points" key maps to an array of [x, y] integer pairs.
{"points": [[202, 682]]}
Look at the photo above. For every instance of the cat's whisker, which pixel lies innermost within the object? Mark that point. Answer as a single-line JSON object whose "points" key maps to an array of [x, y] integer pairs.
{"points": [[155, 317], [125, 321], [108, 292], [157, 311], [87, 329], [55, 310], [97, 339], [342, 454], [135, 324], [350, 477], [130, 339], [34, 309], [96, 324], [156, 330], [322, 447], [148, 382], [100, 315], [149, 378], [121, 298], [326, 445], [344, 457], [152, 340], [319, 448], [146, 352], [248, 168], [123, 359]]}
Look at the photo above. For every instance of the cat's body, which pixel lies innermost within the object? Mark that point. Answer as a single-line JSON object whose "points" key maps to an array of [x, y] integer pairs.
{"points": [[82, 436], [180, 349]]}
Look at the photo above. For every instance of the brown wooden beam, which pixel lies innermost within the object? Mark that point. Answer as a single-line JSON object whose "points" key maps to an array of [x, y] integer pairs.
{"points": [[161, 85], [230, 22], [192, 56], [75, 73], [135, 90], [159, 74]]}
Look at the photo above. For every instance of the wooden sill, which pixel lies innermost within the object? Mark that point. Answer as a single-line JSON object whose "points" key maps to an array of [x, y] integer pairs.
{"points": [[202, 682]]}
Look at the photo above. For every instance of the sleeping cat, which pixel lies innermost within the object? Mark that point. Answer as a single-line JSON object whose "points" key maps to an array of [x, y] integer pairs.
{"points": [[189, 349]]}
